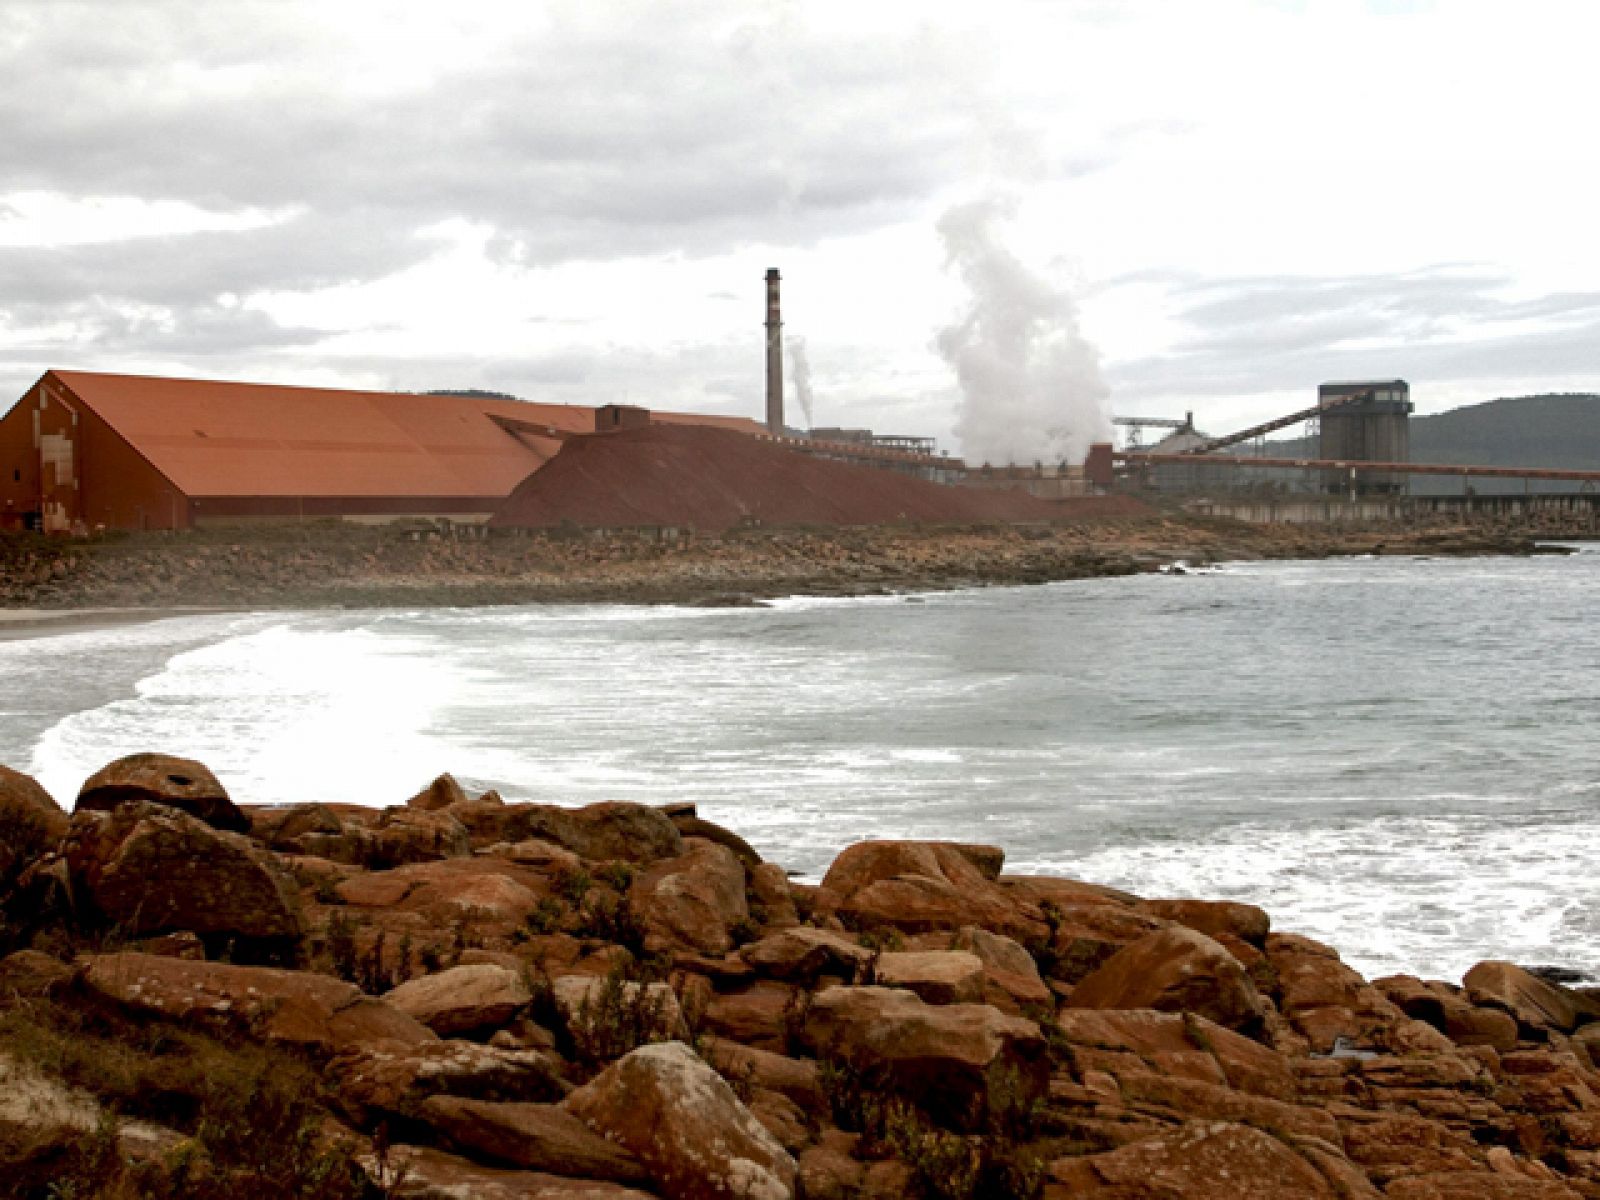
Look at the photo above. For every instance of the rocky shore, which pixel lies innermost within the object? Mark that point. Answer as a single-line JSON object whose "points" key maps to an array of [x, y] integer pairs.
{"points": [[423, 564], [459, 997]]}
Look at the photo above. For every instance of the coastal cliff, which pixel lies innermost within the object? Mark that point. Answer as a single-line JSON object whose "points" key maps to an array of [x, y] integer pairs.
{"points": [[462, 997]]}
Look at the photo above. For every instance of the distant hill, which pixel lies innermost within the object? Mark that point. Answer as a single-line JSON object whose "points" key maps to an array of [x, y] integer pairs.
{"points": [[1560, 430]]}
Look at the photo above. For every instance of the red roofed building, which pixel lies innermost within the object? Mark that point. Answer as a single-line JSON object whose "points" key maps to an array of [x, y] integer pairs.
{"points": [[83, 449]]}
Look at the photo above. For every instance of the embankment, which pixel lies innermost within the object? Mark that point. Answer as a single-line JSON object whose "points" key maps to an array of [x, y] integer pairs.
{"points": [[418, 564], [458, 996]]}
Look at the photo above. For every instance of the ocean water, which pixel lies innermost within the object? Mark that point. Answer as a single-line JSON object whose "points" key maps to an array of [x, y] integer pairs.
{"points": [[1398, 756]]}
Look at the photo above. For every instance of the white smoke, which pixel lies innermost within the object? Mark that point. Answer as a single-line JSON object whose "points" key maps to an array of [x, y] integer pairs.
{"points": [[1031, 388], [800, 373]]}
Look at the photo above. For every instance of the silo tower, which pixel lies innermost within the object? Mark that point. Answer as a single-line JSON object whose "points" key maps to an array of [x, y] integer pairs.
{"points": [[1369, 421]]}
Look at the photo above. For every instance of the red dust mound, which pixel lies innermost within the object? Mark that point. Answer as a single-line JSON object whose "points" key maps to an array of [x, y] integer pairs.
{"points": [[714, 479]]}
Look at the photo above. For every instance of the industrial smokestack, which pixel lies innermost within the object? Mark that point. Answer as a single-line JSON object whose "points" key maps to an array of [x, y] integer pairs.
{"points": [[774, 358]]}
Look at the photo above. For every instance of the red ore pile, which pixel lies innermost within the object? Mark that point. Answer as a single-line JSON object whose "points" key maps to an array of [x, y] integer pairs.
{"points": [[715, 479]]}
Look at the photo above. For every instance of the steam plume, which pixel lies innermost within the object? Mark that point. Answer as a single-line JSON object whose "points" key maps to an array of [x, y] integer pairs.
{"points": [[800, 372], [1031, 389]]}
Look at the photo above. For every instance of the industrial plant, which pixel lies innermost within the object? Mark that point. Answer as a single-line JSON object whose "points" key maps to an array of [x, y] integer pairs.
{"points": [[83, 451]]}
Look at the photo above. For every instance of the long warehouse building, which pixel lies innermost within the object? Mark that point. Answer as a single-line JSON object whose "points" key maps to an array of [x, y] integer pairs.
{"points": [[83, 450]]}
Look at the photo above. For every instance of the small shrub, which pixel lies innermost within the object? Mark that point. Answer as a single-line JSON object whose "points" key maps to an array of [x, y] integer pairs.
{"points": [[618, 876], [881, 941], [546, 916], [611, 919], [573, 885]]}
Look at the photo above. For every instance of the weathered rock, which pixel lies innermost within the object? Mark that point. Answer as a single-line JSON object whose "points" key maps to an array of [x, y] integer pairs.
{"points": [[440, 794], [634, 833], [1178, 1044], [296, 1007], [149, 868], [1477, 1186], [803, 953], [919, 886], [1204, 1160], [691, 900], [1084, 934], [30, 975], [1537, 1004], [539, 1137], [161, 779], [450, 890], [1214, 917], [415, 835], [796, 1078], [679, 1116], [765, 1015], [1325, 1000], [938, 976], [1009, 970], [1175, 970], [30, 821], [956, 1058], [422, 1173], [283, 828], [468, 999], [829, 1170], [771, 897], [382, 1079], [697, 827], [1391, 1145]]}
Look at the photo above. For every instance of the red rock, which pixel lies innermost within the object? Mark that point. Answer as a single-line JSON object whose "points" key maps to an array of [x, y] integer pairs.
{"points": [[1204, 1160], [1084, 936], [771, 899], [1176, 970], [1208, 1101], [764, 1015], [675, 1113], [440, 794], [30, 821], [297, 1007], [937, 976], [1214, 917], [1166, 1041], [1391, 1145], [952, 1058], [691, 826], [463, 999], [161, 779], [633, 833], [427, 1174], [1535, 1003], [829, 1171], [919, 886], [804, 953], [796, 1078], [384, 1079], [1011, 974], [1476, 1186], [149, 868], [691, 901], [415, 835], [539, 1137], [582, 1000]]}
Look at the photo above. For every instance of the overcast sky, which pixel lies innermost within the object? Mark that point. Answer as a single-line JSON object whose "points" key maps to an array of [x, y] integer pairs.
{"points": [[578, 201]]}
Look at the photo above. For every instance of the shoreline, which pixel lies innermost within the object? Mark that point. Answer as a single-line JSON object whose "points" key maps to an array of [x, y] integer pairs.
{"points": [[131, 579]]}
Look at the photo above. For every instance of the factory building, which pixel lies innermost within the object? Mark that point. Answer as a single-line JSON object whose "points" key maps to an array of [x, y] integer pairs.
{"points": [[83, 450]]}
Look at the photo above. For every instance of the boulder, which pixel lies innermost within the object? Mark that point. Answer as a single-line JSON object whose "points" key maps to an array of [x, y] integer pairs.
{"points": [[440, 794], [423, 1173], [450, 890], [916, 887], [766, 1015], [296, 1007], [610, 831], [771, 897], [161, 779], [690, 826], [539, 1137], [804, 953], [463, 1000], [1214, 918], [1203, 1160], [1537, 1004], [1477, 1185], [1083, 934], [381, 1079], [691, 901], [1009, 971], [1175, 970], [1177, 1044], [589, 1003], [682, 1119], [796, 1078], [415, 835], [1323, 999], [938, 976], [958, 1060], [149, 868], [30, 821]]}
